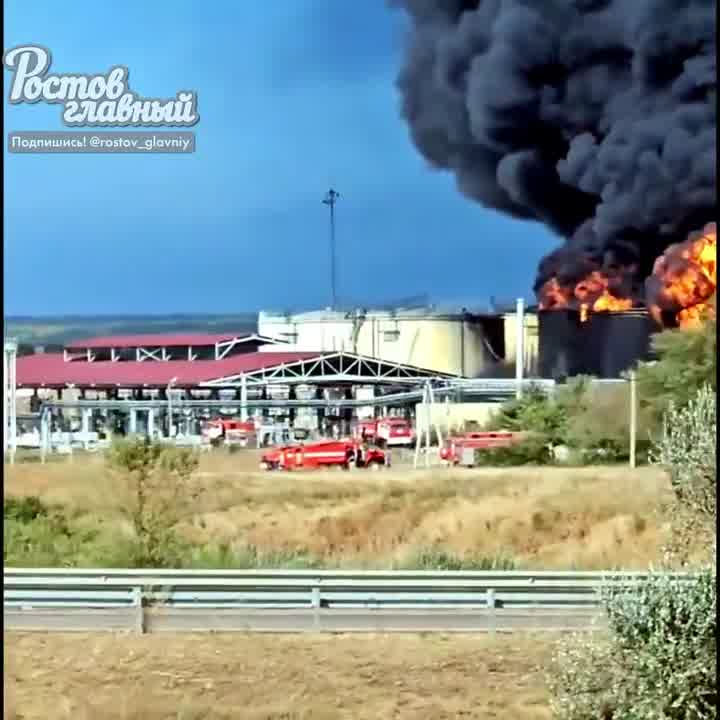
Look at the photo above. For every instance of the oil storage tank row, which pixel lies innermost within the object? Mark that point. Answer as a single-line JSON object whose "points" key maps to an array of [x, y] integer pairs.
{"points": [[604, 345]]}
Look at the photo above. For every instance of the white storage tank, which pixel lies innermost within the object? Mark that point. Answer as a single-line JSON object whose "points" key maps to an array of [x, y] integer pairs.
{"points": [[447, 342]]}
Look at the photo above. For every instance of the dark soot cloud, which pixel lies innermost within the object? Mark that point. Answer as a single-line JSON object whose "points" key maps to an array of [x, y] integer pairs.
{"points": [[595, 117]]}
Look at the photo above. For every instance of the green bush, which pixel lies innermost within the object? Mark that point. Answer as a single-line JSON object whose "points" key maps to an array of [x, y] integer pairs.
{"points": [[659, 659], [158, 490], [591, 421], [435, 558], [533, 450], [599, 430], [24, 509], [538, 413], [687, 361], [687, 448], [249, 557], [35, 535]]}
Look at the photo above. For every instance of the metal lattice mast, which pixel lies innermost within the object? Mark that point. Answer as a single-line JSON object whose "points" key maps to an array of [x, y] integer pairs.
{"points": [[330, 199]]}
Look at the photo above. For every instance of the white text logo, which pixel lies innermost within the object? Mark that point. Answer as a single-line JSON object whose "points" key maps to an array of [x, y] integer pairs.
{"points": [[92, 100]]}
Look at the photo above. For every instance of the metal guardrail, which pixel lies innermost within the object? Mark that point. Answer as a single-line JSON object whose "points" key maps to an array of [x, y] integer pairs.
{"points": [[30, 593]]}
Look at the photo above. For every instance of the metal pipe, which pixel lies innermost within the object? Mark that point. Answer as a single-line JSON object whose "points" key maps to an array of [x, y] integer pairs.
{"points": [[519, 346], [497, 389]]}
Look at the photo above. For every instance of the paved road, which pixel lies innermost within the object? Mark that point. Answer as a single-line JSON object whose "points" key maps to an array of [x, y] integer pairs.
{"points": [[300, 620]]}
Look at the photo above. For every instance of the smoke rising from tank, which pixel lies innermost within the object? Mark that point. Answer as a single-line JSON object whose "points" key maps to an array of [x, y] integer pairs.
{"points": [[594, 117]]}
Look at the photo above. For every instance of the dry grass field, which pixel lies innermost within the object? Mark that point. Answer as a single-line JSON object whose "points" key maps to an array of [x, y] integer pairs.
{"points": [[280, 677], [584, 518]]}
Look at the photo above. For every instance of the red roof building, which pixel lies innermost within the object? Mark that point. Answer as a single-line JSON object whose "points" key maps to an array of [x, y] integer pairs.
{"points": [[121, 368], [53, 370], [190, 361]]}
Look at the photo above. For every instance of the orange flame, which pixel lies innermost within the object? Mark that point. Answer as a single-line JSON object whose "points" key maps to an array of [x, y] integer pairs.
{"points": [[684, 278], [591, 294], [554, 296]]}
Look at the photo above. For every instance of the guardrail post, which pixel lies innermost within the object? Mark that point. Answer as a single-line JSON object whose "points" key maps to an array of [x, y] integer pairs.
{"points": [[316, 605], [492, 605], [139, 610]]}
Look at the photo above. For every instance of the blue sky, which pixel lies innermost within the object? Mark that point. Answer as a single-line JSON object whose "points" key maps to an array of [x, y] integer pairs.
{"points": [[293, 96]]}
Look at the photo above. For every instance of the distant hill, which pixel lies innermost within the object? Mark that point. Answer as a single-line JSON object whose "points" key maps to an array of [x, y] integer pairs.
{"points": [[59, 330]]}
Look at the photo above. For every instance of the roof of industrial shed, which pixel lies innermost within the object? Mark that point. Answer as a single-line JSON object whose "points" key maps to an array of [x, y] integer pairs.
{"points": [[51, 370], [164, 340]]}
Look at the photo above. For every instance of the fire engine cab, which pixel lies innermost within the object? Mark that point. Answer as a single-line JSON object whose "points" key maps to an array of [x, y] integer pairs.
{"points": [[228, 432], [386, 432]]}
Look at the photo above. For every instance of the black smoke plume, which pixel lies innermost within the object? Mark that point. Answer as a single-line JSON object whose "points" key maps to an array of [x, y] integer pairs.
{"points": [[594, 117]]}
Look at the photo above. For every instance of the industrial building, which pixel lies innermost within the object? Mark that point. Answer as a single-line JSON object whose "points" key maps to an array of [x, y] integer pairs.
{"points": [[168, 384], [317, 370], [459, 343]]}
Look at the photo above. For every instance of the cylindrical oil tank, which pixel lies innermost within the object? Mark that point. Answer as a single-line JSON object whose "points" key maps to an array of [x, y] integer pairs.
{"points": [[561, 336], [619, 340]]}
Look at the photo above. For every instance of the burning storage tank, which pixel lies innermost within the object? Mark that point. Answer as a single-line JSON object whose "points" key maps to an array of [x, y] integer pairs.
{"points": [[594, 117], [604, 345], [618, 340], [561, 334]]}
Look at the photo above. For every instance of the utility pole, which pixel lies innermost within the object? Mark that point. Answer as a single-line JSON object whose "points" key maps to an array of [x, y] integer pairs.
{"points": [[428, 405], [633, 418], [519, 347], [168, 395], [10, 398], [330, 199]]}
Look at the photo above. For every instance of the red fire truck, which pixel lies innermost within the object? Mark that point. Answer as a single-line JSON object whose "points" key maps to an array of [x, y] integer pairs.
{"points": [[452, 451], [228, 432], [366, 429], [345, 454], [386, 432]]}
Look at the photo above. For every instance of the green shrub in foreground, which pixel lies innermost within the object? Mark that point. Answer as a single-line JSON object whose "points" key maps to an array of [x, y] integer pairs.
{"points": [[436, 558], [249, 557], [687, 448], [24, 509], [657, 663], [35, 535], [38, 536]]}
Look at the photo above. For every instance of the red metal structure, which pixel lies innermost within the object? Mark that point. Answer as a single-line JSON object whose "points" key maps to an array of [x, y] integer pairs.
{"points": [[345, 454]]}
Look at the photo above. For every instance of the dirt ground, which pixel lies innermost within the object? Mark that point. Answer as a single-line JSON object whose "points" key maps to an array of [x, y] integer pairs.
{"points": [[569, 518], [278, 677]]}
